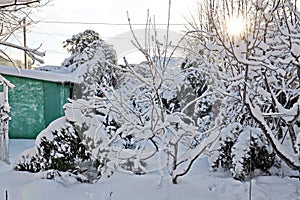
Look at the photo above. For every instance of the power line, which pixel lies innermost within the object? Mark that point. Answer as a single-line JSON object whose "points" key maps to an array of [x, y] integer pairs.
{"points": [[45, 33], [106, 23], [69, 35], [56, 34]]}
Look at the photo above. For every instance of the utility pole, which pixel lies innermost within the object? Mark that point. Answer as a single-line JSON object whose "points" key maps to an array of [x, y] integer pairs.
{"points": [[25, 43]]}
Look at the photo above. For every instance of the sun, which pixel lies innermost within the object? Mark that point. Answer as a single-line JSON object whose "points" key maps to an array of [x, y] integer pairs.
{"points": [[235, 26]]}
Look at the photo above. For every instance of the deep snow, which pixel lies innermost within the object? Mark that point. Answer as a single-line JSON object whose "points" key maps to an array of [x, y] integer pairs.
{"points": [[199, 184]]}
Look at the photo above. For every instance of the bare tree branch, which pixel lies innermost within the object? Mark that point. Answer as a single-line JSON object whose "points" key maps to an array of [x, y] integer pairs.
{"points": [[18, 3], [12, 14]]}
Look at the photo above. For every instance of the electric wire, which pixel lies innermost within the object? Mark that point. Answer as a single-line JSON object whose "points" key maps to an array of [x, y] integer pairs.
{"points": [[105, 23]]}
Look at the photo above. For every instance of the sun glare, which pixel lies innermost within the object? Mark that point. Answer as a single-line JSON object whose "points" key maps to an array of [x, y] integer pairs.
{"points": [[235, 26]]}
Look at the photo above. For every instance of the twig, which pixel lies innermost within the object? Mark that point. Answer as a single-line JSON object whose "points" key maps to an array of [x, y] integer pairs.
{"points": [[17, 3]]}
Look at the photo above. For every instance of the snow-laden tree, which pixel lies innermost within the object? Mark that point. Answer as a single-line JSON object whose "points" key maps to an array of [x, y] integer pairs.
{"points": [[152, 114], [93, 61], [72, 144], [257, 73], [82, 47], [143, 124], [155, 117], [166, 133]]}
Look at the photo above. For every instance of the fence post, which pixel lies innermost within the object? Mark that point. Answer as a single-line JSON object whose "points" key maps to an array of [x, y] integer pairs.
{"points": [[4, 118]]}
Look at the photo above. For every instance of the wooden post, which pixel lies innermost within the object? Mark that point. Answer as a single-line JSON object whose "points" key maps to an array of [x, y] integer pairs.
{"points": [[25, 43]]}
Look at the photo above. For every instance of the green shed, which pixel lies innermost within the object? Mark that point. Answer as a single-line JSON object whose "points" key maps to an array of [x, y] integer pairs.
{"points": [[36, 100]]}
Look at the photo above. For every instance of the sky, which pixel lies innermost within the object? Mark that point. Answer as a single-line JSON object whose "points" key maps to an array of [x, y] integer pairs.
{"points": [[51, 35]]}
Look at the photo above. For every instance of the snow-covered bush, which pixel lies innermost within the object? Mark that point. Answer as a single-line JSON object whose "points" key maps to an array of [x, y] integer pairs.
{"points": [[58, 147], [96, 128], [251, 153], [243, 150], [62, 148], [223, 156]]}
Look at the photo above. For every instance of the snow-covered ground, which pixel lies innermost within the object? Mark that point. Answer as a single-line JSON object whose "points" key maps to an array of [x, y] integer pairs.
{"points": [[199, 184]]}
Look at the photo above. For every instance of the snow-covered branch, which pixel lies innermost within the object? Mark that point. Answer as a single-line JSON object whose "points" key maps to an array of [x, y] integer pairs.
{"points": [[32, 53], [281, 151]]}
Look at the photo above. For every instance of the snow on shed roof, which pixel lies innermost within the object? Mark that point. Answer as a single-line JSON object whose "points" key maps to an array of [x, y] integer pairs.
{"points": [[39, 75]]}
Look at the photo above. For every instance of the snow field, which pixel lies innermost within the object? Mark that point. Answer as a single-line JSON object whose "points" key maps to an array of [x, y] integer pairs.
{"points": [[198, 184]]}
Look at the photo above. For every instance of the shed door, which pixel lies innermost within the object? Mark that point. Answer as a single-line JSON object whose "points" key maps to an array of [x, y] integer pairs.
{"points": [[27, 108], [56, 96]]}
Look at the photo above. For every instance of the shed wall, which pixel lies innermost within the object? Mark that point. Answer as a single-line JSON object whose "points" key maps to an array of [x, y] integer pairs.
{"points": [[34, 105]]}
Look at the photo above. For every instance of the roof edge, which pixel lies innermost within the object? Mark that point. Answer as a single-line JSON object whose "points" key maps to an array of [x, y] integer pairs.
{"points": [[39, 75]]}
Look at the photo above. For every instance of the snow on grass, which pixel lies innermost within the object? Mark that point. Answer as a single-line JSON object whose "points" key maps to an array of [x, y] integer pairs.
{"points": [[199, 184]]}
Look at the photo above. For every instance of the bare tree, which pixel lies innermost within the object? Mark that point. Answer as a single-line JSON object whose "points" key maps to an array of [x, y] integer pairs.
{"points": [[12, 14], [10, 3]]}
